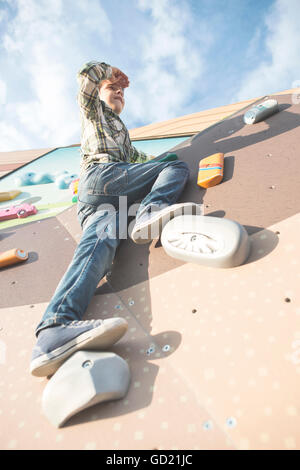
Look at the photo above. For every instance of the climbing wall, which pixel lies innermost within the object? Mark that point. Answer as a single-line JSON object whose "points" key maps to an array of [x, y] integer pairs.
{"points": [[214, 354]]}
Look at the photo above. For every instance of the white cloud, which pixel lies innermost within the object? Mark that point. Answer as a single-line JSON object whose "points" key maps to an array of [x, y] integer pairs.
{"points": [[44, 41], [282, 44], [170, 61], [11, 138], [3, 16], [3, 90]]}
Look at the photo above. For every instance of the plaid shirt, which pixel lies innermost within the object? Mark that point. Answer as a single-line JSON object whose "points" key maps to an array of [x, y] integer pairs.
{"points": [[104, 136]]}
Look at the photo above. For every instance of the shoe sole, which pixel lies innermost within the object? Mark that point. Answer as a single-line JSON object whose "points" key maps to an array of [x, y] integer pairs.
{"points": [[98, 338], [146, 231]]}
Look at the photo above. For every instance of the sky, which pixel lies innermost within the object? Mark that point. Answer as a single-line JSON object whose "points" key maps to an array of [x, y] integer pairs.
{"points": [[181, 56]]}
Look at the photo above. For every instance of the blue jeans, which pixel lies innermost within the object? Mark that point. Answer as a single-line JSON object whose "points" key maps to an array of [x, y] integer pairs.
{"points": [[106, 191]]}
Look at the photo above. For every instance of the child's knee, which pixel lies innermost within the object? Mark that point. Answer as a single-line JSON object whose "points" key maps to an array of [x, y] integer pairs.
{"points": [[182, 165]]}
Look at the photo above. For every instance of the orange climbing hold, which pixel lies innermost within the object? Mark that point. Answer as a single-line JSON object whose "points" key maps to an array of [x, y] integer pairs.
{"points": [[211, 170], [16, 255]]}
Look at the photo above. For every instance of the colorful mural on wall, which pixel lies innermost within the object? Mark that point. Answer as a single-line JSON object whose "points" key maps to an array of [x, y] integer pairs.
{"points": [[44, 184]]}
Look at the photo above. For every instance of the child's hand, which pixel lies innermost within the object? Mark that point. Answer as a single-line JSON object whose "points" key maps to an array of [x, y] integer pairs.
{"points": [[119, 78]]}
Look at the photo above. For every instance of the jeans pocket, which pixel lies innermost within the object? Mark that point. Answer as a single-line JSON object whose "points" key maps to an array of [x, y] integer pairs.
{"points": [[110, 180]]}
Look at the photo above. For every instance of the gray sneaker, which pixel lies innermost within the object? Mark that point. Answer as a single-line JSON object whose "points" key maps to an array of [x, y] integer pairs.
{"points": [[150, 223], [56, 343]]}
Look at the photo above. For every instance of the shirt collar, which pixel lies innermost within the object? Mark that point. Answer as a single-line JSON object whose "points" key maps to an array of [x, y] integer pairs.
{"points": [[107, 108]]}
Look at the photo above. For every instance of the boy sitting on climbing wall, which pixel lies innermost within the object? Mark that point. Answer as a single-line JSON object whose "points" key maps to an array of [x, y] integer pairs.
{"points": [[111, 167]]}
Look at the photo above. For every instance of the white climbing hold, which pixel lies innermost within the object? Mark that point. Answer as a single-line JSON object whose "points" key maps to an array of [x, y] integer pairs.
{"points": [[211, 241]]}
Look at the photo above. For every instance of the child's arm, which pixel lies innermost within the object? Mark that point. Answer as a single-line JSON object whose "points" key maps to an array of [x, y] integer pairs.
{"points": [[89, 78], [137, 156], [141, 157]]}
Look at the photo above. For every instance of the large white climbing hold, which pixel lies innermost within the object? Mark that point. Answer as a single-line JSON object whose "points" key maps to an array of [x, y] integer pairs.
{"points": [[85, 379], [211, 241]]}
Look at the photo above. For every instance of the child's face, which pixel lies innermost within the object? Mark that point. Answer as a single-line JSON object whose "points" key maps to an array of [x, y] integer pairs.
{"points": [[113, 95]]}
